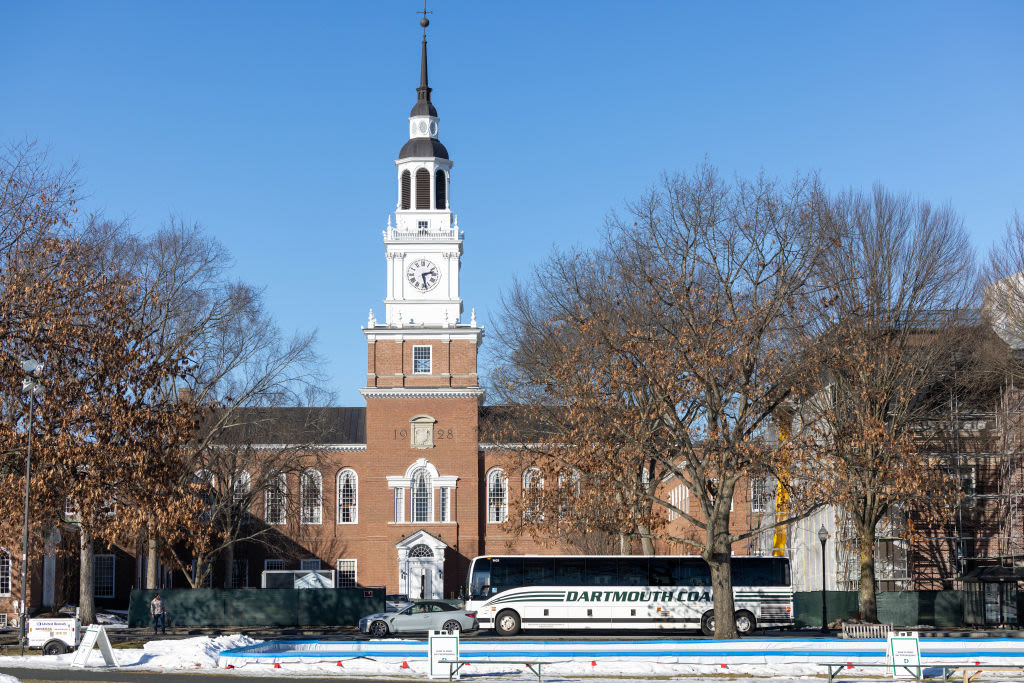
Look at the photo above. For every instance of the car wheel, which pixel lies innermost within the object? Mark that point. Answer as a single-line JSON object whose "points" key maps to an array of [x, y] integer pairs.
{"points": [[55, 647], [745, 623], [707, 623], [507, 623], [452, 626], [378, 629]]}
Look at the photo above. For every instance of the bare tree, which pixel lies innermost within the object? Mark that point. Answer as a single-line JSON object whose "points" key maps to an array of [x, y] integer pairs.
{"points": [[896, 285], [665, 353], [239, 360]]}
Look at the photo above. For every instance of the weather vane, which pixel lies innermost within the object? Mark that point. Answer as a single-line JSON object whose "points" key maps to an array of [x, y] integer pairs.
{"points": [[424, 22]]}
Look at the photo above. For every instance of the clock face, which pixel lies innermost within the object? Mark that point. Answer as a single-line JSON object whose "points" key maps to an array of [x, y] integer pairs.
{"points": [[423, 275]]}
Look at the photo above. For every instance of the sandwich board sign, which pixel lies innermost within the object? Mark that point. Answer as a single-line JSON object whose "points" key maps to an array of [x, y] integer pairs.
{"points": [[903, 652], [95, 635], [443, 645]]}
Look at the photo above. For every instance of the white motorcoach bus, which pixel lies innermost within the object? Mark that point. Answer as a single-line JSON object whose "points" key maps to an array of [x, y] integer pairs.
{"points": [[514, 592]]}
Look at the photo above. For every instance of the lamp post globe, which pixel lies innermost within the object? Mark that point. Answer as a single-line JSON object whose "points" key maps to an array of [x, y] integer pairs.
{"points": [[33, 369]]}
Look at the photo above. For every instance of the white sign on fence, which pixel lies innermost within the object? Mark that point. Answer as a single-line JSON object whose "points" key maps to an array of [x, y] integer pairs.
{"points": [[95, 635], [903, 650], [443, 645]]}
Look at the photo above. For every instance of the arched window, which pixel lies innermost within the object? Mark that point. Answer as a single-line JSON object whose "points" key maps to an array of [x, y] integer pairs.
{"points": [[533, 492], [204, 482], [497, 497], [422, 505], [406, 190], [348, 497], [421, 550], [276, 499], [241, 484], [312, 497], [5, 572], [440, 190], [423, 189]]}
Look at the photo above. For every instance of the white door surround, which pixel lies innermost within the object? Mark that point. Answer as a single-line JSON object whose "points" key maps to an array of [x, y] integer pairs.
{"points": [[421, 566]]}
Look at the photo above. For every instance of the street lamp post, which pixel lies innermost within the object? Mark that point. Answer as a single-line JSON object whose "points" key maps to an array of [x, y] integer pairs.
{"points": [[33, 370], [823, 537]]}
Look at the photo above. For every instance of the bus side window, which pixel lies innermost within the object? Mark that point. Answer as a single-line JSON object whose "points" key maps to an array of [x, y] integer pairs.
{"points": [[506, 573], [633, 571], [663, 571], [570, 572], [601, 571], [693, 572], [538, 571]]}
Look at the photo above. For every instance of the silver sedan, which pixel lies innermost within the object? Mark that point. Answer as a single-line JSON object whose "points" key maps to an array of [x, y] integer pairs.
{"points": [[419, 617]]}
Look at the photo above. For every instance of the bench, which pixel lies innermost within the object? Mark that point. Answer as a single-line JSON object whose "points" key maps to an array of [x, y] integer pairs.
{"points": [[948, 670], [455, 664], [977, 669], [866, 630]]}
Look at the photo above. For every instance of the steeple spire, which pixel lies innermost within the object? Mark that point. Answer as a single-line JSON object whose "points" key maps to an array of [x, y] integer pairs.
{"points": [[423, 105]]}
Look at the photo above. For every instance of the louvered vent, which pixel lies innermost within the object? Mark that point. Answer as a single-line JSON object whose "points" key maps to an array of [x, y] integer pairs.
{"points": [[423, 189], [406, 190], [440, 198]]}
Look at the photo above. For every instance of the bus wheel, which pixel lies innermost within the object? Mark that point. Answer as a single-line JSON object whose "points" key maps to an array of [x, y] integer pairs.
{"points": [[707, 623], [745, 623], [507, 623]]}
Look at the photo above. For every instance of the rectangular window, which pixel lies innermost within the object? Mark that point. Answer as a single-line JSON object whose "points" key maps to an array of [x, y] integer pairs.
{"points": [[273, 565], [422, 225], [421, 360], [240, 574], [442, 512], [312, 564], [759, 495], [346, 573], [5, 573], [675, 497], [103, 576], [399, 505]]}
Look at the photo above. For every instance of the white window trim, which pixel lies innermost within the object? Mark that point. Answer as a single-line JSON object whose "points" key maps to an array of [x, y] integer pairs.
{"points": [[399, 505], [6, 556], [113, 577], [429, 359], [430, 501], [317, 516], [311, 564], [268, 568], [496, 472], [444, 504], [355, 504], [355, 571], [436, 481]]}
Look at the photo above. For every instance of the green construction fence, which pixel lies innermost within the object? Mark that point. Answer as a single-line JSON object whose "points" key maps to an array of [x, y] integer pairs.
{"points": [[258, 606], [900, 608]]}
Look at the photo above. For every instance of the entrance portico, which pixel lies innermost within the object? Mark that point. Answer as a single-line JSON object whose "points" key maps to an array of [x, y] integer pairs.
{"points": [[421, 566]]}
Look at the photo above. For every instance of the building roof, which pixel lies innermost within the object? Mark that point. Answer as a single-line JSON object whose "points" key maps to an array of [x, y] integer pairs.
{"points": [[423, 147], [296, 426]]}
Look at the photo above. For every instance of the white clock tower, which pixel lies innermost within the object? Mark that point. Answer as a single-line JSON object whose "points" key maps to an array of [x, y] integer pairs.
{"points": [[423, 248], [424, 244]]}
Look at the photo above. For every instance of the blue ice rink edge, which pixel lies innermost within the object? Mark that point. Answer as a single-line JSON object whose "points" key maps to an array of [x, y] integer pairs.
{"points": [[747, 650]]}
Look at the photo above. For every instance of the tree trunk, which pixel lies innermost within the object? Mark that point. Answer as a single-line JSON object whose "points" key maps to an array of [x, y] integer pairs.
{"points": [[86, 602], [625, 546], [718, 554], [152, 553], [868, 606], [646, 543], [229, 564]]}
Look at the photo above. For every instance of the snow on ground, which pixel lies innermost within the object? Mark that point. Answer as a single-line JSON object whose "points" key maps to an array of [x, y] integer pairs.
{"points": [[202, 654]]}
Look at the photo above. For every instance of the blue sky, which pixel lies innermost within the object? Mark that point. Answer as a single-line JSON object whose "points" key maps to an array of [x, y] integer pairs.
{"points": [[275, 125]]}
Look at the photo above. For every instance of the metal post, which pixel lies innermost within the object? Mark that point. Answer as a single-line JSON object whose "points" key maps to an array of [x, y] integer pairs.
{"points": [[24, 538], [823, 537]]}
